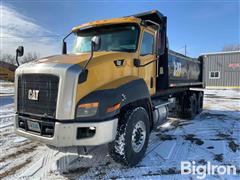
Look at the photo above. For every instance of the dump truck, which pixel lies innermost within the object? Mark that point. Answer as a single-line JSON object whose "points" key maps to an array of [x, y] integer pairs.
{"points": [[117, 84]]}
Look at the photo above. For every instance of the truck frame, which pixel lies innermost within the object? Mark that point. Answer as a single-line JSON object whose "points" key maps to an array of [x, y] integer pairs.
{"points": [[119, 83]]}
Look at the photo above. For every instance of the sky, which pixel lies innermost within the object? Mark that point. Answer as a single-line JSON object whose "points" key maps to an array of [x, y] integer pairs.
{"points": [[203, 26]]}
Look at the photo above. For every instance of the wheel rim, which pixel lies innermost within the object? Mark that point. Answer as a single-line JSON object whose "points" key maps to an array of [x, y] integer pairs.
{"points": [[138, 136]]}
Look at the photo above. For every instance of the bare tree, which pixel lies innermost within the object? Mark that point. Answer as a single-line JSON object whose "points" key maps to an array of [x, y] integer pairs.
{"points": [[29, 57], [12, 59], [7, 58], [231, 47]]}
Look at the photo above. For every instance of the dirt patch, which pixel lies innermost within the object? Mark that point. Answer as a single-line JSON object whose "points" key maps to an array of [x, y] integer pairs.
{"points": [[179, 123], [202, 162], [193, 139], [23, 150], [6, 134], [207, 115], [166, 137], [216, 139], [210, 147], [13, 170], [223, 136], [114, 177], [218, 157], [233, 146], [170, 171], [150, 173], [73, 173]]}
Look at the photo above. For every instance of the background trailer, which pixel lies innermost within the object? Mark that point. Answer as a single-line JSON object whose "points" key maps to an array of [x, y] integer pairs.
{"points": [[222, 69]]}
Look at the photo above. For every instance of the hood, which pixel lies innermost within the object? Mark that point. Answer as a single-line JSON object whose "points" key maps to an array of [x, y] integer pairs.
{"points": [[80, 58]]}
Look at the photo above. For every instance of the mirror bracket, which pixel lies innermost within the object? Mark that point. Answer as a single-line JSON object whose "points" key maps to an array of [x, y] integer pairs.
{"points": [[95, 45], [19, 53]]}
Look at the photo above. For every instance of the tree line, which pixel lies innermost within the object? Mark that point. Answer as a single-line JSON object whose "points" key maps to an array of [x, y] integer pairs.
{"points": [[11, 59]]}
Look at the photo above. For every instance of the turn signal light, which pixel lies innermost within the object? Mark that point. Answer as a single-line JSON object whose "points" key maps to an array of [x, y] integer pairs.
{"points": [[114, 107], [89, 105]]}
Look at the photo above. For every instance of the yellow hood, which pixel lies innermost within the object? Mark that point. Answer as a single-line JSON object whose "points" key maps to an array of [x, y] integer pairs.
{"points": [[82, 58]]}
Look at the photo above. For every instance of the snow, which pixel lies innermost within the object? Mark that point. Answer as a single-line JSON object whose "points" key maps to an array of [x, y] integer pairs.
{"points": [[6, 88], [214, 135]]}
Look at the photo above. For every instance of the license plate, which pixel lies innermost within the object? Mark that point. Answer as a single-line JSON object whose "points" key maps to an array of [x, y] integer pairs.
{"points": [[34, 126]]}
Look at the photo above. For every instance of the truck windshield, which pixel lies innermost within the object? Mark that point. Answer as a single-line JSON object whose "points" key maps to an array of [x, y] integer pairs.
{"points": [[113, 38]]}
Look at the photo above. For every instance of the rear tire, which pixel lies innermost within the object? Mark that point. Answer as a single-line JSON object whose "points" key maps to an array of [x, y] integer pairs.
{"points": [[200, 102], [191, 110], [132, 137]]}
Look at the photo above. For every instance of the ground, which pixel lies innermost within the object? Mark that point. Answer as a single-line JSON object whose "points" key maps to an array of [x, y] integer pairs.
{"points": [[214, 136]]}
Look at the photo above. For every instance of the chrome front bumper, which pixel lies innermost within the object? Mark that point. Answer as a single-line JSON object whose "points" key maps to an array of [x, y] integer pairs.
{"points": [[65, 134]]}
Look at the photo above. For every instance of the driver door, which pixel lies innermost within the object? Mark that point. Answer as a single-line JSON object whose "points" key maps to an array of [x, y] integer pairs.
{"points": [[147, 58]]}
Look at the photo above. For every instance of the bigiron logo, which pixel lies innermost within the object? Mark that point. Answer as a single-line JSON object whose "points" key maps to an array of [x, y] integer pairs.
{"points": [[201, 171]]}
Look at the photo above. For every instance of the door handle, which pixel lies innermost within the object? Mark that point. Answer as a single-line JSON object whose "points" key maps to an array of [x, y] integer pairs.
{"points": [[137, 63]]}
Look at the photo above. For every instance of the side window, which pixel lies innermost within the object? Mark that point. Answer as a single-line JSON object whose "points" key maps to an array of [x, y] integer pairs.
{"points": [[214, 74], [147, 44]]}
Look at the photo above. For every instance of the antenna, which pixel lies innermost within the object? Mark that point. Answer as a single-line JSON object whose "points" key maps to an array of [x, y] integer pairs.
{"points": [[185, 49]]}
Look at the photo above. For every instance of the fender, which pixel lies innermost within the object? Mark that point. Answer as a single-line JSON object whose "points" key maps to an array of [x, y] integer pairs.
{"points": [[124, 90]]}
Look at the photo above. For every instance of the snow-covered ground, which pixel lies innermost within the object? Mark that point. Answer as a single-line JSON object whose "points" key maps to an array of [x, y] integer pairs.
{"points": [[212, 136]]}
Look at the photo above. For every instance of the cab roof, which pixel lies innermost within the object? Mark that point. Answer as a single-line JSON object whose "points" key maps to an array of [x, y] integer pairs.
{"points": [[154, 15], [108, 22]]}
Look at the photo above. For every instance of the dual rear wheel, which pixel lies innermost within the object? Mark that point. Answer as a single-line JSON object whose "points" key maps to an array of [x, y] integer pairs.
{"points": [[192, 104]]}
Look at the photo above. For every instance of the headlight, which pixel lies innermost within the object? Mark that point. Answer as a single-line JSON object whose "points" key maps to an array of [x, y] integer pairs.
{"points": [[88, 109]]}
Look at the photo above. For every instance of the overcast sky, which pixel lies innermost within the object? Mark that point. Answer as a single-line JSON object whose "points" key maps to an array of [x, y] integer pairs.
{"points": [[203, 26]]}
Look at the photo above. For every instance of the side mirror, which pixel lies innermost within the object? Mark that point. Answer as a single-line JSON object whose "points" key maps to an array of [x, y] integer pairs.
{"points": [[64, 48], [96, 41], [20, 51]]}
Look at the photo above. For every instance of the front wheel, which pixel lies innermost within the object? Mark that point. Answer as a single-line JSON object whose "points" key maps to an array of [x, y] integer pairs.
{"points": [[132, 137]]}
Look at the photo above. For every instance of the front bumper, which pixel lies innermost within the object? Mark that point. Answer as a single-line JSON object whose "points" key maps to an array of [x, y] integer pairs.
{"points": [[65, 134]]}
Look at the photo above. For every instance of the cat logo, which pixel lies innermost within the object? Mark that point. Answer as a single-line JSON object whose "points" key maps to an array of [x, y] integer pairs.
{"points": [[177, 69], [33, 94]]}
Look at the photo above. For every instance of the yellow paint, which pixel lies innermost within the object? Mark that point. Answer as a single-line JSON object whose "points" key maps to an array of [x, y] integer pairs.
{"points": [[115, 84], [6, 74], [149, 71], [102, 72], [109, 22]]}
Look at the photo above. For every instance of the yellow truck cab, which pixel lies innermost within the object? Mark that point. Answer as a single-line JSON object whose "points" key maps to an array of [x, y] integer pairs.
{"points": [[116, 85]]}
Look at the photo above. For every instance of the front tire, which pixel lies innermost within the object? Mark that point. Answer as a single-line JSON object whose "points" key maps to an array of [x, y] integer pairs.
{"points": [[132, 137]]}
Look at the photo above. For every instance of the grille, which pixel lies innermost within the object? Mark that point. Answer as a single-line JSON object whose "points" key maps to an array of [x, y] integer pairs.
{"points": [[45, 105]]}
